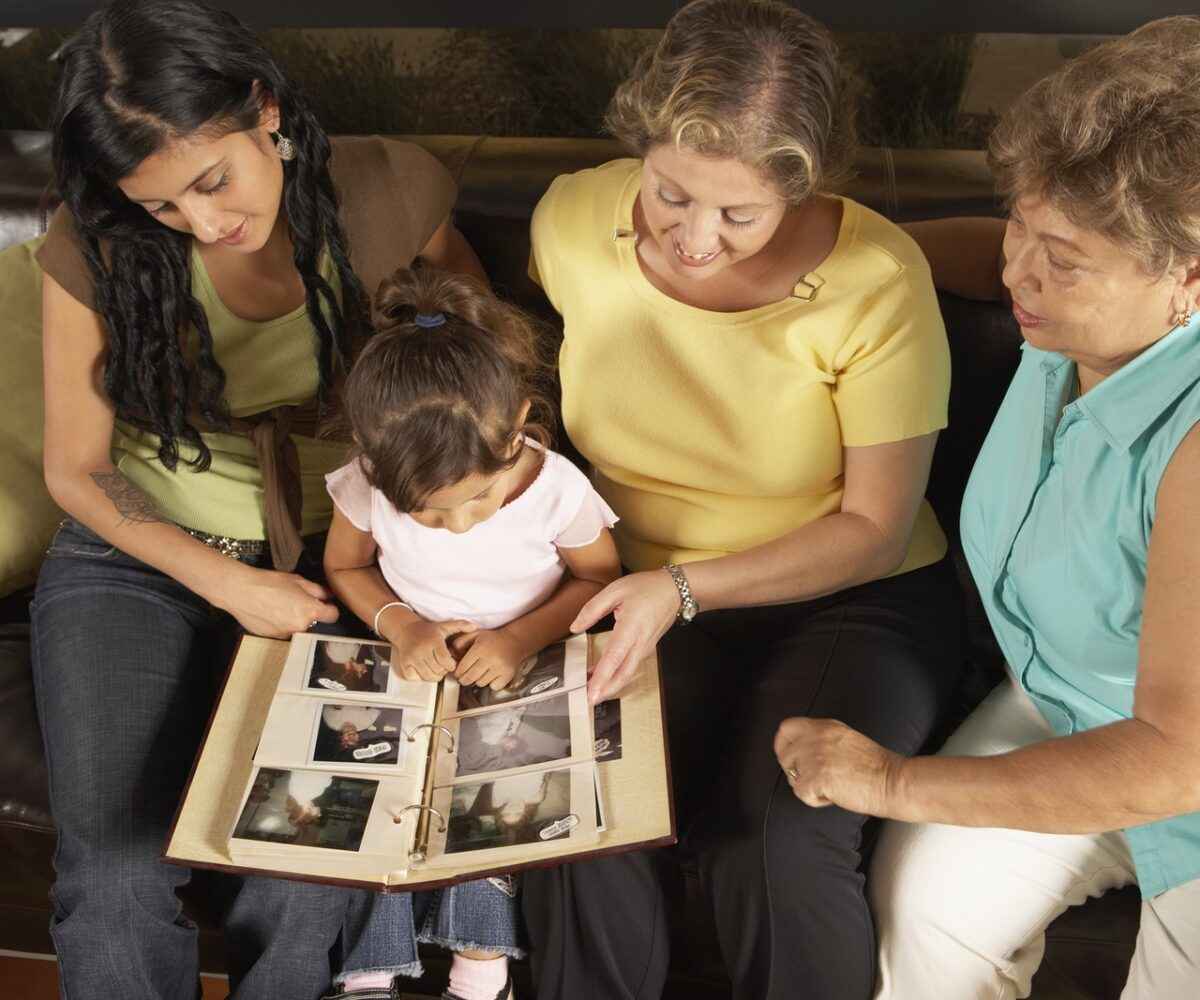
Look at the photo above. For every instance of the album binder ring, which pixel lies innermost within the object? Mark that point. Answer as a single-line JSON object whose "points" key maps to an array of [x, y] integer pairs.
{"points": [[430, 725], [421, 839], [441, 819]]}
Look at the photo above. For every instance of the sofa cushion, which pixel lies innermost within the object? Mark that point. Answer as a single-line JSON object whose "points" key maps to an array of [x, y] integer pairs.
{"points": [[27, 514], [24, 794]]}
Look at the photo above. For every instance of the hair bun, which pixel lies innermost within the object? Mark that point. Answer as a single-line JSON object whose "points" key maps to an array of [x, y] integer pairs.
{"points": [[420, 297]]}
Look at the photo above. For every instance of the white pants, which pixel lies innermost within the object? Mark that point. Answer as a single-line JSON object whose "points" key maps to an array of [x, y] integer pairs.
{"points": [[962, 912]]}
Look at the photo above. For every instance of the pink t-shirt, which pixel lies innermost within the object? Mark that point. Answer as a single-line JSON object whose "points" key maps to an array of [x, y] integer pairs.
{"points": [[499, 569]]}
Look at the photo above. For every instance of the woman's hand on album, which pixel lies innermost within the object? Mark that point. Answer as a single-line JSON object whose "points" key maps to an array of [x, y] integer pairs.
{"points": [[266, 602], [421, 650], [487, 658], [644, 606], [827, 763]]}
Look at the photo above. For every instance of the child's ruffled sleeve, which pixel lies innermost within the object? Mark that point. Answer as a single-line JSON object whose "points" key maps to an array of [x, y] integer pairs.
{"points": [[351, 494], [580, 513]]}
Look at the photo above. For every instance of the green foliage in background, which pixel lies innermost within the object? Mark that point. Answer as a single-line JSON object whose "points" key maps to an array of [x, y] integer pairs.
{"points": [[356, 85], [550, 83], [468, 82], [912, 87], [536, 83]]}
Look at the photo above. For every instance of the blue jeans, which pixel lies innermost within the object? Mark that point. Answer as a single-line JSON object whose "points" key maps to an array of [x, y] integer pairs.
{"points": [[127, 664], [482, 915]]}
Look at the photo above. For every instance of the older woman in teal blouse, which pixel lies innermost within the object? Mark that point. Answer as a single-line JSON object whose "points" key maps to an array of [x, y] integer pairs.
{"points": [[1081, 525]]}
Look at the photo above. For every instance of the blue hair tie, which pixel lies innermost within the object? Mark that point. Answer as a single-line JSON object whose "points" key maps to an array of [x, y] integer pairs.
{"points": [[427, 321]]}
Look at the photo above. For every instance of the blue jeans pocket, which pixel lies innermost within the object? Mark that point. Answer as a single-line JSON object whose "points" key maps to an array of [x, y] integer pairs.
{"points": [[78, 542]]}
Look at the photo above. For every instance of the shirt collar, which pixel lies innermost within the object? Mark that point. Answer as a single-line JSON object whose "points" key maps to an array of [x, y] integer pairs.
{"points": [[1126, 403]]}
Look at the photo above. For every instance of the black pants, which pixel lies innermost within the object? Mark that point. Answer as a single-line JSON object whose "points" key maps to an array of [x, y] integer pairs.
{"points": [[785, 881]]}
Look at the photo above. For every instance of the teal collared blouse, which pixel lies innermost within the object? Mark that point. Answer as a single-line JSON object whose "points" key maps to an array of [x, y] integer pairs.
{"points": [[1056, 524]]}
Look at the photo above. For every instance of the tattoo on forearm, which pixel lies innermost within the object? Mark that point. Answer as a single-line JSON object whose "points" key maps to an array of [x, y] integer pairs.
{"points": [[132, 504]]}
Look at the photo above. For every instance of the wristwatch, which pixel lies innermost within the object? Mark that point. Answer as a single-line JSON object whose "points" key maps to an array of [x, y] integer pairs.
{"points": [[688, 607]]}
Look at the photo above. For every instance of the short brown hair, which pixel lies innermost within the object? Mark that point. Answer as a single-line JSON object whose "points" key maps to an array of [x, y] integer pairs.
{"points": [[436, 393], [752, 79], [1112, 140]]}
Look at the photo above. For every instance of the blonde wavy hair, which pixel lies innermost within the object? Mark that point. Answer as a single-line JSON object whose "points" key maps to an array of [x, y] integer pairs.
{"points": [[1112, 140], [752, 79]]}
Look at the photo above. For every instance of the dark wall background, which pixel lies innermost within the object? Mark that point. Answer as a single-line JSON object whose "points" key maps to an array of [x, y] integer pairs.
{"points": [[1049, 16]]}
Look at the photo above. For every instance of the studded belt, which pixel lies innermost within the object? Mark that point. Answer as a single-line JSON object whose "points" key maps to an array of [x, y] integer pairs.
{"points": [[242, 549]]}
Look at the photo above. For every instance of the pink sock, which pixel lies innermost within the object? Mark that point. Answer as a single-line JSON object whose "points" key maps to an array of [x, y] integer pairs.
{"points": [[367, 981], [478, 979]]}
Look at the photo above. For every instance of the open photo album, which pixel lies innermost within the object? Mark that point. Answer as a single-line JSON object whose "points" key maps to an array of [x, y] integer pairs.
{"points": [[398, 773], [359, 776]]}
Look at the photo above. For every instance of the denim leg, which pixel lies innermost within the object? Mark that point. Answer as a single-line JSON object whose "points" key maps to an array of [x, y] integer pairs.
{"points": [[279, 934], [125, 664], [381, 930], [126, 667], [381, 936], [482, 915]]}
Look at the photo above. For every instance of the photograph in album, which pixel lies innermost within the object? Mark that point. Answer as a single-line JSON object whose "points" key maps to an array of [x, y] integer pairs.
{"points": [[522, 809], [537, 674], [359, 734], [343, 665], [606, 722], [306, 809], [561, 666], [508, 738]]}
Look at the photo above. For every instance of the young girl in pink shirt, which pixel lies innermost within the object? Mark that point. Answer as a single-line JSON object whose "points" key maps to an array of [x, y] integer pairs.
{"points": [[463, 540]]}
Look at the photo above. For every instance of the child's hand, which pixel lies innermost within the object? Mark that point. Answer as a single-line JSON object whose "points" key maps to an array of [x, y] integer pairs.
{"points": [[419, 648], [487, 658]]}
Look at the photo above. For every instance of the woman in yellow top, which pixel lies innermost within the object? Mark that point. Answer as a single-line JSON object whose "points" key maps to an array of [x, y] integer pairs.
{"points": [[757, 371]]}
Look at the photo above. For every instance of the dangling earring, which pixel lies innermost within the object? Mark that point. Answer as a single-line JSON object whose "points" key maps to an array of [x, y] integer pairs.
{"points": [[284, 147], [1183, 317]]}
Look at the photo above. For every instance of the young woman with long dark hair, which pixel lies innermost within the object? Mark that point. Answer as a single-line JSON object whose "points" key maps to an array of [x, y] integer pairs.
{"points": [[206, 284]]}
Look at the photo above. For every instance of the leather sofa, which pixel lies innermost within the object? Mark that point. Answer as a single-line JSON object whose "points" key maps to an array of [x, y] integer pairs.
{"points": [[500, 181]]}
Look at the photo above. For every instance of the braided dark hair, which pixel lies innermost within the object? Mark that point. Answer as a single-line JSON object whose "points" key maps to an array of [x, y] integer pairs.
{"points": [[139, 74]]}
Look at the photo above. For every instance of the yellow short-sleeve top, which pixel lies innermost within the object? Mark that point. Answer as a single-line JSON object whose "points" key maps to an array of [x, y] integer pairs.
{"points": [[710, 432]]}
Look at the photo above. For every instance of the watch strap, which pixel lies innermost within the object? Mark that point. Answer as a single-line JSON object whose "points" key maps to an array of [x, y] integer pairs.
{"points": [[688, 607]]}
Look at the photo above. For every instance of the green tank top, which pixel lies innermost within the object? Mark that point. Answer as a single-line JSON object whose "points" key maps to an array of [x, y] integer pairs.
{"points": [[267, 364], [393, 196]]}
